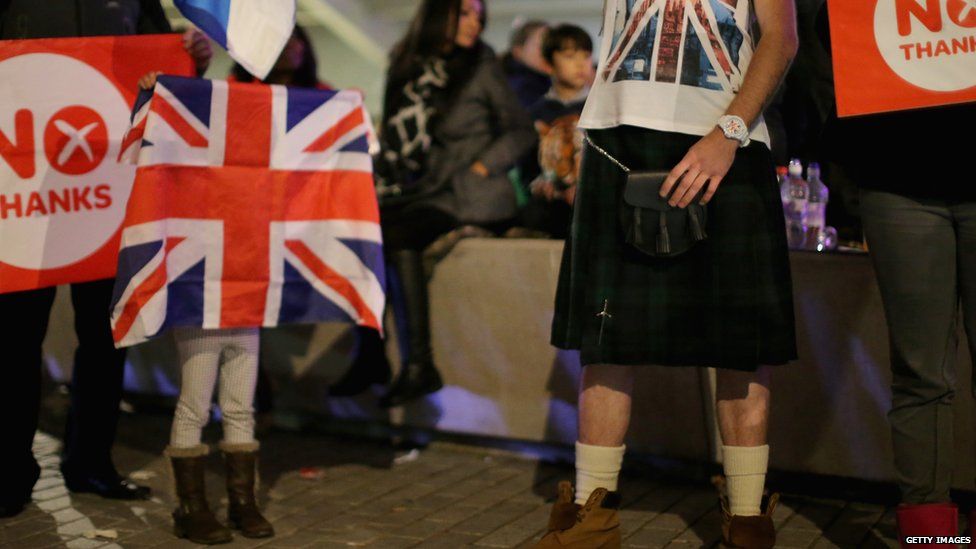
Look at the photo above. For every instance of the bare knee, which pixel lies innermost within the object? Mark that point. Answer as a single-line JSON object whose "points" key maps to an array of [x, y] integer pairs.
{"points": [[610, 376]]}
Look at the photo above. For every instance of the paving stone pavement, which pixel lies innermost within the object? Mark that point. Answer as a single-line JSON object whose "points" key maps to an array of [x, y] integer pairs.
{"points": [[369, 495]]}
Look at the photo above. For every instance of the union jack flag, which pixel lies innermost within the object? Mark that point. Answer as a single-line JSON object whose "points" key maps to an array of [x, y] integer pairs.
{"points": [[253, 205]]}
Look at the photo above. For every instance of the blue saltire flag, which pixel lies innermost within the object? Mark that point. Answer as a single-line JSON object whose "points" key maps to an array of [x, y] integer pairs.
{"points": [[254, 32]]}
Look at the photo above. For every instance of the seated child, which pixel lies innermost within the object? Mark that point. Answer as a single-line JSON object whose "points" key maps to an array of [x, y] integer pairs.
{"points": [[568, 49]]}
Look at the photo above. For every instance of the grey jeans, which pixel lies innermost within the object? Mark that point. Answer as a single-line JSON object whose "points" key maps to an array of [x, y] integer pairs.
{"points": [[924, 252]]}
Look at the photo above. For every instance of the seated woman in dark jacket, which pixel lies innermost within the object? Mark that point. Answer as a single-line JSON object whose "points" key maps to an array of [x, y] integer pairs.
{"points": [[451, 130]]}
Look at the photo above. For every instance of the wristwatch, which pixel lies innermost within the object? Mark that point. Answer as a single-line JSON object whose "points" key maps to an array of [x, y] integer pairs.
{"points": [[735, 128]]}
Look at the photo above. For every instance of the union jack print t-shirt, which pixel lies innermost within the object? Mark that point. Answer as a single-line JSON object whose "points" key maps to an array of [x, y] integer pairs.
{"points": [[671, 65]]}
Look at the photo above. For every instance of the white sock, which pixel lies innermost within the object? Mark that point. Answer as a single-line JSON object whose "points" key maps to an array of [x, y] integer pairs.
{"points": [[745, 474], [596, 467]]}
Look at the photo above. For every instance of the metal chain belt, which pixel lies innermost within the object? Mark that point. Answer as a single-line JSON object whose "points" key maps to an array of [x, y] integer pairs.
{"points": [[606, 154]]}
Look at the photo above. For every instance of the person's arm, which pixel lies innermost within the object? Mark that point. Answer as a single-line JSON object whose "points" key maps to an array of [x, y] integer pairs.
{"points": [[198, 46], [152, 20], [709, 160], [515, 131]]}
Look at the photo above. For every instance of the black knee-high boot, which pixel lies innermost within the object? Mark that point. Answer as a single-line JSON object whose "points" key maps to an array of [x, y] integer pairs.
{"points": [[418, 376]]}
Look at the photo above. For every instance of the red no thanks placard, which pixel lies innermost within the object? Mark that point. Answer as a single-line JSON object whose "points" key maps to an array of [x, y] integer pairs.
{"points": [[64, 109], [894, 55]]}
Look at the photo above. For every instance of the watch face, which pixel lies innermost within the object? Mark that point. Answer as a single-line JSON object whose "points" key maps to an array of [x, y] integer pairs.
{"points": [[733, 127]]}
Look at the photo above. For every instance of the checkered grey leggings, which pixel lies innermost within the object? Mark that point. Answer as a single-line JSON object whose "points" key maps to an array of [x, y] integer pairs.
{"points": [[204, 354]]}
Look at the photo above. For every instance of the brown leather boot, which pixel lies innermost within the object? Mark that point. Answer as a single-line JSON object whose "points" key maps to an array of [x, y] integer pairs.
{"points": [[597, 525], [563, 514], [740, 532], [193, 519], [241, 461]]}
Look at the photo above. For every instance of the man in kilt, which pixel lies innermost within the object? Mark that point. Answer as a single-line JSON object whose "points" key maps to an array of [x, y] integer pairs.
{"points": [[680, 88]]}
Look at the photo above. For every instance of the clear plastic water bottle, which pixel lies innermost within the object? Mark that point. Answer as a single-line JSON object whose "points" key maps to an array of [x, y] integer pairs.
{"points": [[783, 179], [796, 212], [817, 198]]}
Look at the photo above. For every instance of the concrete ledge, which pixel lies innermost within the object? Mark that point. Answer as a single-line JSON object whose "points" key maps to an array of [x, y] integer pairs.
{"points": [[492, 305]]}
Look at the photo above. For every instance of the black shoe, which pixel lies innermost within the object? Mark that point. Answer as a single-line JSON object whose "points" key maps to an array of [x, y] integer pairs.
{"points": [[8, 510], [371, 366], [13, 506], [414, 381], [108, 487]]}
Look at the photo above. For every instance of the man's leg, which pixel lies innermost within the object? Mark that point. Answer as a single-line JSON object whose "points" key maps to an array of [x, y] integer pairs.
{"points": [[965, 215], [914, 249], [742, 402], [96, 391], [23, 323], [604, 416]]}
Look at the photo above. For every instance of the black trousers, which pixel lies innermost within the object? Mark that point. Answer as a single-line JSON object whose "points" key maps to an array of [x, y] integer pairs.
{"points": [[96, 387]]}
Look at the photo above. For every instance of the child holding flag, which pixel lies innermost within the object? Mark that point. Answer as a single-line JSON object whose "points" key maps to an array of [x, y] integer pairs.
{"points": [[206, 356]]}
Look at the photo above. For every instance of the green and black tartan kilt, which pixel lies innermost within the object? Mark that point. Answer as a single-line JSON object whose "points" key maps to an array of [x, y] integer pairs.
{"points": [[726, 303]]}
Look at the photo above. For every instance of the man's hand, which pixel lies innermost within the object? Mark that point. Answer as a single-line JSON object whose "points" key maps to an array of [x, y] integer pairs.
{"points": [[704, 166], [198, 46], [148, 80], [709, 160]]}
